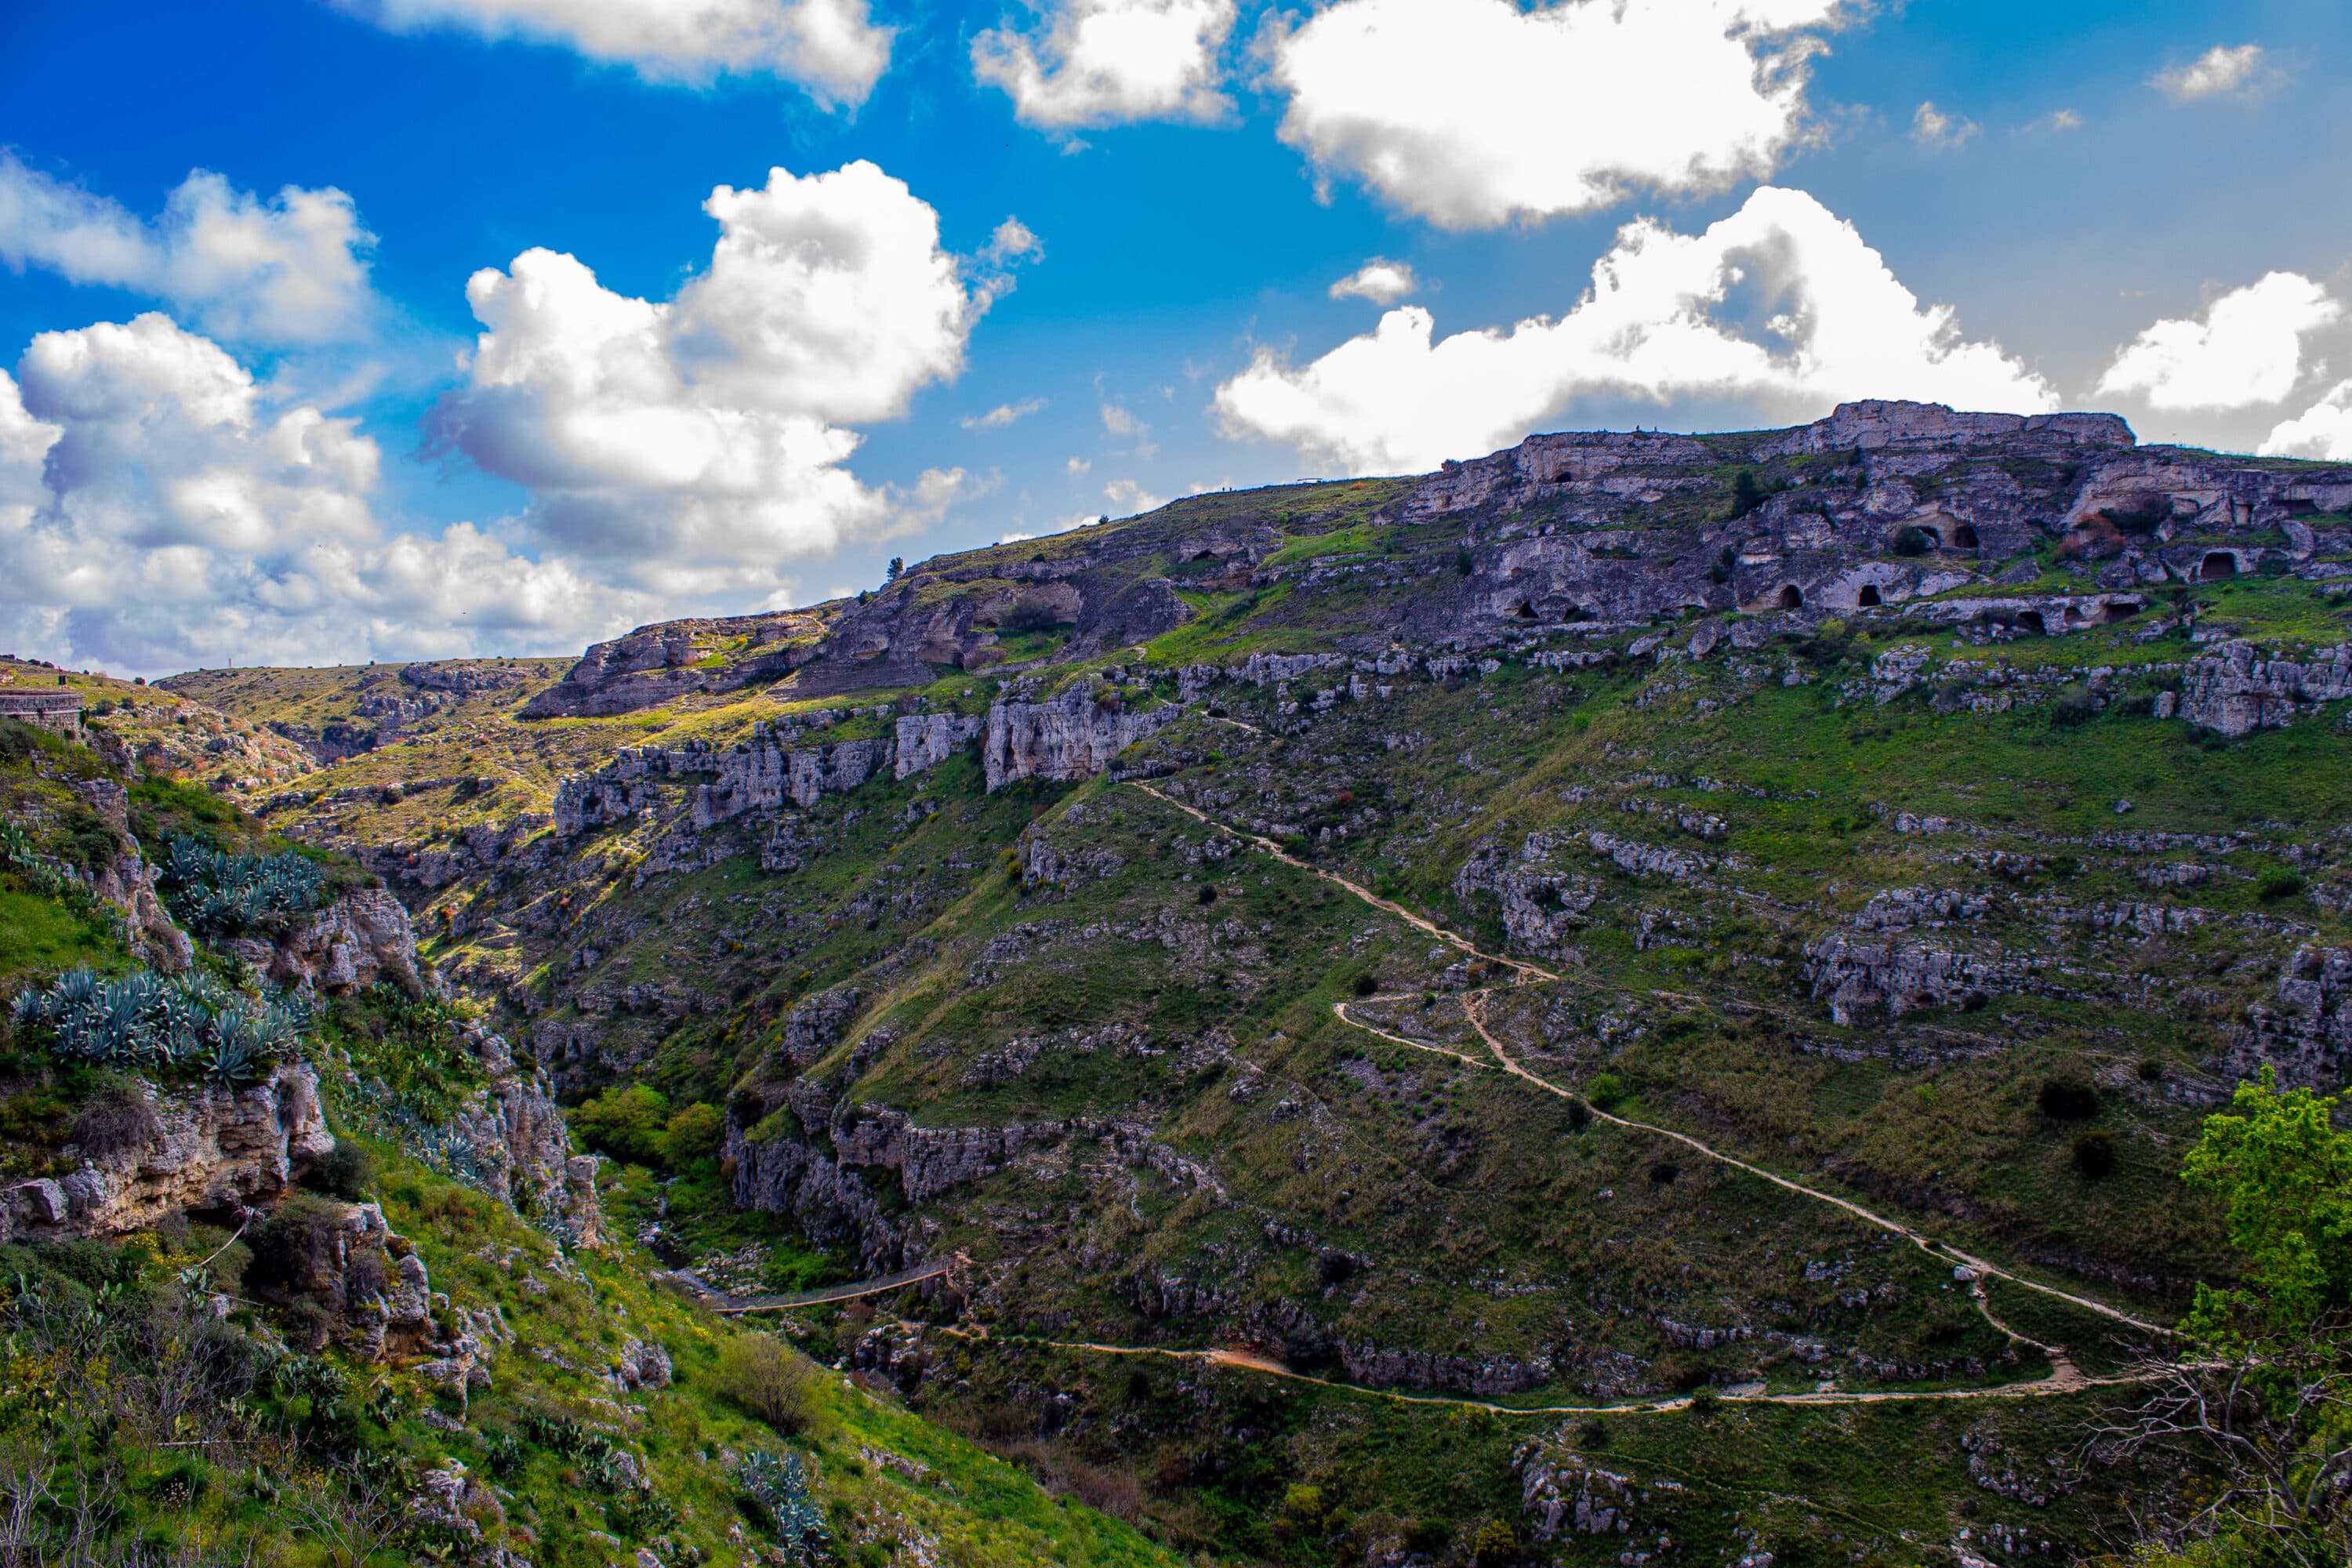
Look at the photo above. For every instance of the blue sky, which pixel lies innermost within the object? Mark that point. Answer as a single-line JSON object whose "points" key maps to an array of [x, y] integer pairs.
{"points": [[253, 415]]}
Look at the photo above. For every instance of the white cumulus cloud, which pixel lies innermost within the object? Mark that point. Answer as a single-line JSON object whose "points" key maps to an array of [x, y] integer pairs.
{"points": [[2324, 430], [159, 510], [284, 270], [1132, 498], [1781, 305], [2219, 70], [1938, 131], [1471, 112], [701, 441], [2248, 348], [1003, 415], [1105, 62], [1380, 280], [832, 47]]}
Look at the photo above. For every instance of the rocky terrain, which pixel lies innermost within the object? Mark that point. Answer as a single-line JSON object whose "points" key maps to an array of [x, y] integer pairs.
{"points": [[1693, 958]]}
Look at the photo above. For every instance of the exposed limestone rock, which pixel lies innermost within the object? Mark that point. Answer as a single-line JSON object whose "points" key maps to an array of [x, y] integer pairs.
{"points": [[362, 937], [926, 740], [813, 1028], [2307, 1030], [2235, 690], [1855, 974], [1566, 1494], [931, 1160], [205, 1151], [1064, 739], [517, 1133], [128, 882], [761, 777], [642, 1365], [1542, 909]]}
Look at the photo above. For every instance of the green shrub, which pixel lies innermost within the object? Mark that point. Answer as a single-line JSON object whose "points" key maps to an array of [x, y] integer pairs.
{"points": [[695, 1133], [768, 1379], [2094, 1154], [2077, 707], [2068, 1098], [1910, 541], [344, 1171], [1606, 1090], [2280, 885], [629, 1124]]}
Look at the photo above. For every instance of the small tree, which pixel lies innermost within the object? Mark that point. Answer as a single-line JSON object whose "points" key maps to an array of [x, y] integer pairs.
{"points": [[897, 566], [2263, 1378]]}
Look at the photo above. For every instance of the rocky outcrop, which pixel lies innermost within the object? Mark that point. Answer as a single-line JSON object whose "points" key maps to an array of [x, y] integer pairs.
{"points": [[206, 1151], [2305, 1030], [763, 777], [931, 1160], [814, 1026], [128, 882], [2235, 690], [522, 1147], [1856, 974], [787, 1176], [1064, 739], [362, 938], [1481, 1374], [1542, 908], [926, 740]]}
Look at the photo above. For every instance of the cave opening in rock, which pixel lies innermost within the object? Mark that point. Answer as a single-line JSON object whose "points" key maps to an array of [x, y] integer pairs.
{"points": [[2031, 621], [2217, 564], [1791, 597], [1964, 537], [1868, 596], [1526, 612]]}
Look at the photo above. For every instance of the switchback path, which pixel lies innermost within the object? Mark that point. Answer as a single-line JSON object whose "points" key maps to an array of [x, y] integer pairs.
{"points": [[1473, 1003]]}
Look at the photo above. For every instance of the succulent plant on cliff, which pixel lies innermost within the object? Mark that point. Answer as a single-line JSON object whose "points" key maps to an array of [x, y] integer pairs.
{"points": [[219, 894], [146, 1022], [779, 1484]]}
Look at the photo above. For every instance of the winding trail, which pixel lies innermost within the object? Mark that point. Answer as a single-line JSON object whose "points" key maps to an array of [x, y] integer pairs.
{"points": [[1522, 973], [2062, 1380]]}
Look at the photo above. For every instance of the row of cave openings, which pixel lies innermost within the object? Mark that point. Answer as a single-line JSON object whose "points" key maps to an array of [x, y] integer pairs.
{"points": [[2218, 566]]}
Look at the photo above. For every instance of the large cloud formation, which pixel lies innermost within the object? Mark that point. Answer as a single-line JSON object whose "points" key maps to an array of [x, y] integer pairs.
{"points": [[283, 271], [1782, 305], [1103, 62], [158, 510], [1470, 112], [697, 443], [2324, 430], [2247, 351], [832, 47]]}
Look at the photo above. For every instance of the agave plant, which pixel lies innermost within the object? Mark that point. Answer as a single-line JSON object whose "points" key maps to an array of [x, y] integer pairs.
{"points": [[780, 1487], [229, 1062], [221, 894]]}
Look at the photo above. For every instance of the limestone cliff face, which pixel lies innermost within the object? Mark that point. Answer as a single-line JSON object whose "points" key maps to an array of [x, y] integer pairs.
{"points": [[518, 1131], [2236, 690], [2305, 1030], [1063, 738], [206, 1151], [362, 937], [768, 772], [926, 740]]}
